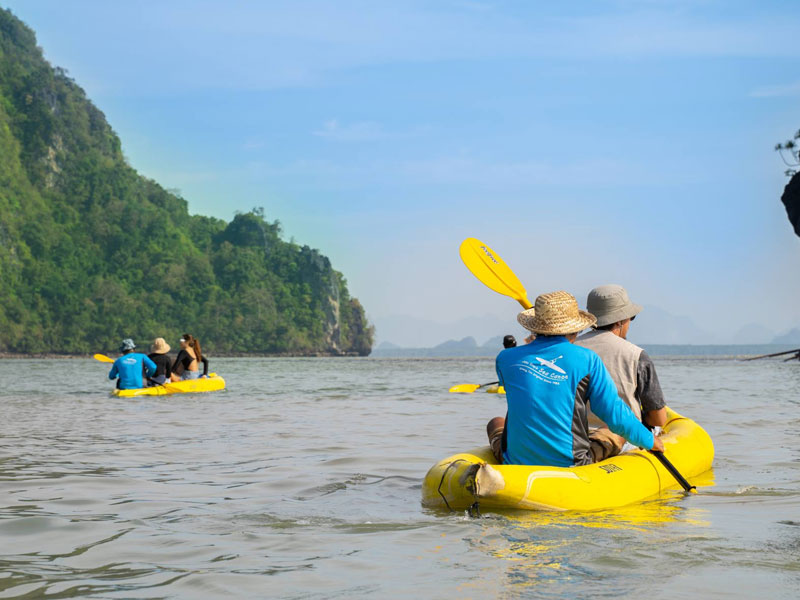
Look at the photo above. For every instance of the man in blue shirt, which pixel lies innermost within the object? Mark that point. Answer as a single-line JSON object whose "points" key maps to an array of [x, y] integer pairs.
{"points": [[129, 366], [549, 383]]}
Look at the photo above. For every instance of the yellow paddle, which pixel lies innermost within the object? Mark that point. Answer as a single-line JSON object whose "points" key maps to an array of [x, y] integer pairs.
{"points": [[468, 388], [492, 271], [495, 274]]}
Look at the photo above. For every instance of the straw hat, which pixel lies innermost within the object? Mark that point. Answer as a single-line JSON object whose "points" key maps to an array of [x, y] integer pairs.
{"points": [[610, 304], [555, 313], [160, 346]]}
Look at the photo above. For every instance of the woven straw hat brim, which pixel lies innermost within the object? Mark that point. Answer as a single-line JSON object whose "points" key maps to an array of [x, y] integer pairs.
{"points": [[161, 347], [531, 322], [620, 314]]}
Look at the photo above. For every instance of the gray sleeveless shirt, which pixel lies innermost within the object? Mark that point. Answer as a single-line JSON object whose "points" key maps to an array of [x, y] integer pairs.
{"points": [[621, 358]]}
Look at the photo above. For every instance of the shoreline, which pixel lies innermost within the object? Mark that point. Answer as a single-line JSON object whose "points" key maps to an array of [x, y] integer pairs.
{"points": [[659, 350], [56, 355]]}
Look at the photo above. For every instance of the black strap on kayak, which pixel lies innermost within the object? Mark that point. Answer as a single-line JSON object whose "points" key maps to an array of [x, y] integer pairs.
{"points": [[439, 489]]}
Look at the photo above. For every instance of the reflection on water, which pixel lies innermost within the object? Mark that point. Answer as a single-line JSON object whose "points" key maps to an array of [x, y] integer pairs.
{"points": [[303, 479], [540, 548]]}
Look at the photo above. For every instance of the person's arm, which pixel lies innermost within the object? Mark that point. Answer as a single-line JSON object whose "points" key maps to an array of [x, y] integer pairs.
{"points": [[656, 418], [649, 394], [167, 366], [113, 373], [150, 366], [177, 366], [497, 368], [205, 366], [607, 405]]}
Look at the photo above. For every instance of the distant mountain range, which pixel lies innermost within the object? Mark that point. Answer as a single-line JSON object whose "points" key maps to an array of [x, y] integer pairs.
{"points": [[451, 348], [404, 331], [655, 327], [469, 347], [790, 337]]}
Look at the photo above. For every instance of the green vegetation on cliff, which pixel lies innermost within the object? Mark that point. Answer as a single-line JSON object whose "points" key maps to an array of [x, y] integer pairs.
{"points": [[91, 252]]}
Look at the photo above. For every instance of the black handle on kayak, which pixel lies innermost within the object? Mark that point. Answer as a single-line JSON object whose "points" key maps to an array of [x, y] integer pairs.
{"points": [[673, 471]]}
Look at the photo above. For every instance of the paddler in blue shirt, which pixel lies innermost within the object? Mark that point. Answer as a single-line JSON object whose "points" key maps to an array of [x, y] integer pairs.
{"points": [[549, 383], [129, 366]]}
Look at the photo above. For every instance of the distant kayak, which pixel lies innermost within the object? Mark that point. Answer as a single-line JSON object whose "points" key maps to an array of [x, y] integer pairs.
{"points": [[474, 477], [212, 383]]}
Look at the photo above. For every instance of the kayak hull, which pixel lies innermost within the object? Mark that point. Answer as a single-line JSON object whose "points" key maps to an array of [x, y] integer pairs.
{"points": [[461, 480], [212, 383]]}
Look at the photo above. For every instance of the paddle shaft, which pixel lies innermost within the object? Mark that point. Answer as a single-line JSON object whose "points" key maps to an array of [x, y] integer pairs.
{"points": [[673, 471], [795, 351]]}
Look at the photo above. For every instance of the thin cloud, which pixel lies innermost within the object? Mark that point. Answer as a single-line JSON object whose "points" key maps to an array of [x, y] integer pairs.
{"points": [[253, 145], [777, 91], [458, 171], [181, 46], [364, 131]]}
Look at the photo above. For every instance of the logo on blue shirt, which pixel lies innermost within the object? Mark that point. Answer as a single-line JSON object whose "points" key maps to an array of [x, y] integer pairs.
{"points": [[546, 370], [551, 364]]}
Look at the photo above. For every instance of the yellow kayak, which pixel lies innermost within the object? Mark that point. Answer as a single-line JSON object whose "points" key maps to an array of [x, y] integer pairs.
{"points": [[212, 383], [462, 480]]}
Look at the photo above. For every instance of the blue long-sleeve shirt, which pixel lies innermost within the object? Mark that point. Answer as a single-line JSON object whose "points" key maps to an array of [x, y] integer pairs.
{"points": [[548, 384], [128, 368]]}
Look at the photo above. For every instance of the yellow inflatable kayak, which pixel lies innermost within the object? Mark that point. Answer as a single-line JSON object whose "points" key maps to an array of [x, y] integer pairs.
{"points": [[212, 383], [462, 480]]}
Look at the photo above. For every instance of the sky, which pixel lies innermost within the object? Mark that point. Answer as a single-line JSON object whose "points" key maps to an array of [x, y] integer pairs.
{"points": [[587, 142]]}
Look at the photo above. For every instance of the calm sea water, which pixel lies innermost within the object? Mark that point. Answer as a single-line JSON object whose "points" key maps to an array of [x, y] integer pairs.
{"points": [[302, 480]]}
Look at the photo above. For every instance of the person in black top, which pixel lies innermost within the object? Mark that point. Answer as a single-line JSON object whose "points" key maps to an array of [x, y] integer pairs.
{"points": [[496, 429], [158, 354], [186, 365]]}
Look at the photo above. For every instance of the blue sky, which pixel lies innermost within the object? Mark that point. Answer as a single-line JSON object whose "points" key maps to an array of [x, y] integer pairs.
{"points": [[586, 142]]}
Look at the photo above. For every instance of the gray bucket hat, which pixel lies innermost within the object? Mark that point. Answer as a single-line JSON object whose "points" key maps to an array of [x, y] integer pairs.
{"points": [[610, 303], [127, 344]]}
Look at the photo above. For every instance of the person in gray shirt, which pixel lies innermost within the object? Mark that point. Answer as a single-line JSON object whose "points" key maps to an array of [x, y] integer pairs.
{"points": [[629, 365]]}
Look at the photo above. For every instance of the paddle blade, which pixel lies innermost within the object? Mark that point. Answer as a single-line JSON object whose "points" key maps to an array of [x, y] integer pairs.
{"points": [[492, 271], [464, 388], [103, 358]]}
